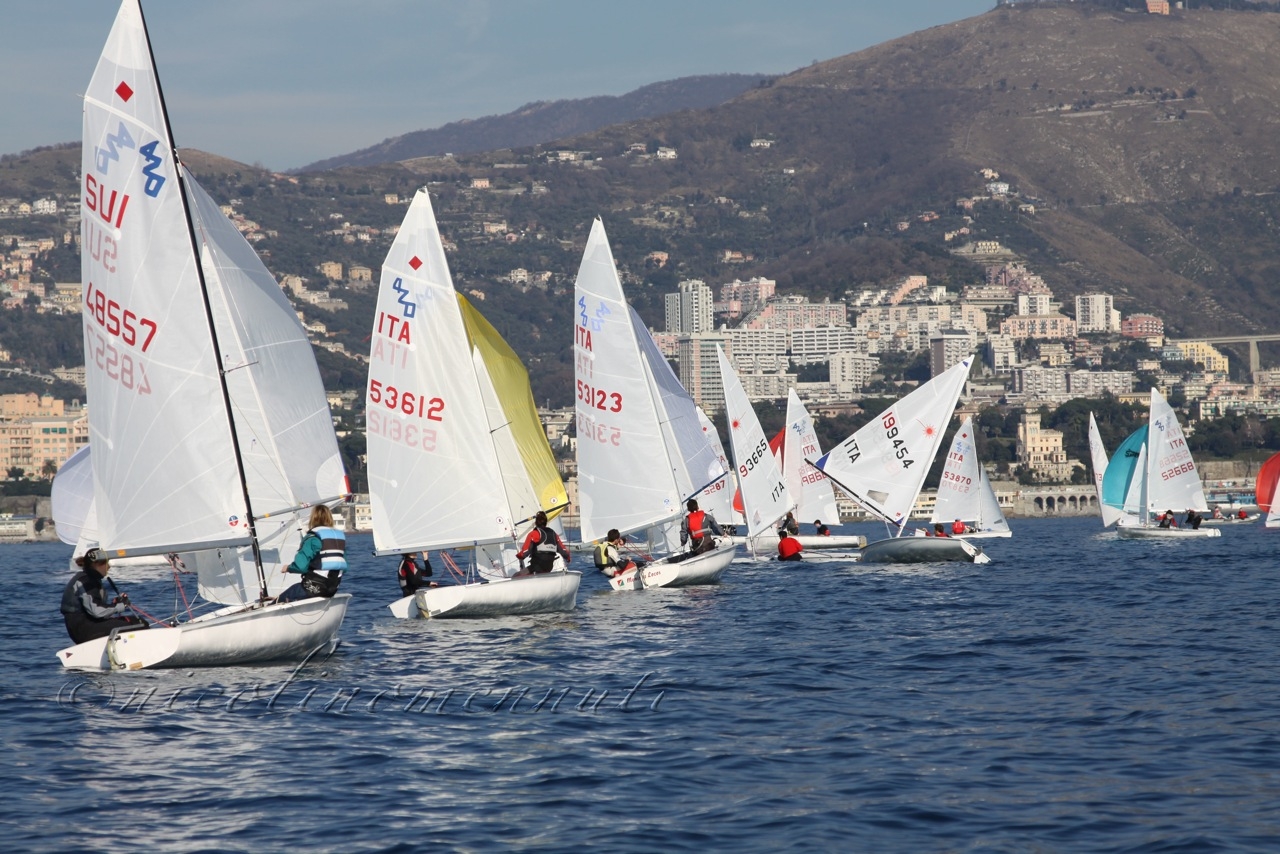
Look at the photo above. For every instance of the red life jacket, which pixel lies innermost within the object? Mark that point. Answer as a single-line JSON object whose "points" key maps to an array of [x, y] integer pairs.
{"points": [[788, 546], [957, 527], [695, 524]]}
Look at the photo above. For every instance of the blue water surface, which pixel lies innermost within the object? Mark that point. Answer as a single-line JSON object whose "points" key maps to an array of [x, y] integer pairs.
{"points": [[1080, 693]]}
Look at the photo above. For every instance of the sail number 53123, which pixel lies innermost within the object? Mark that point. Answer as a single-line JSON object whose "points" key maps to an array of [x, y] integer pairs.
{"points": [[598, 398], [406, 402]]}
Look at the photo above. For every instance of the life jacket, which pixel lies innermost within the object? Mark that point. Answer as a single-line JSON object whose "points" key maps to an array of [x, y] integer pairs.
{"points": [[542, 556], [333, 551], [788, 546], [602, 555], [696, 520], [957, 527]]}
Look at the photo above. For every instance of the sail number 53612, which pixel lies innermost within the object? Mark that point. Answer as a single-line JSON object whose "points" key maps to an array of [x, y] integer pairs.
{"points": [[406, 402]]}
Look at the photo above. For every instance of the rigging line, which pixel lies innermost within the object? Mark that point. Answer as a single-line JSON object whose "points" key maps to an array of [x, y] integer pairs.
{"points": [[174, 563], [208, 309]]}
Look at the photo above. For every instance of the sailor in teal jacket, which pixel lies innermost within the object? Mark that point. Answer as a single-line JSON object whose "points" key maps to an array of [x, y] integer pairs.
{"points": [[321, 559]]}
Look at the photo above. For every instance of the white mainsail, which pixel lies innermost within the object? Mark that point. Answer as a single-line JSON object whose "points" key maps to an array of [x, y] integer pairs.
{"points": [[810, 488], [433, 470], [625, 476], [765, 499], [165, 476], [1098, 455], [960, 484], [165, 471], [1172, 480], [883, 465]]}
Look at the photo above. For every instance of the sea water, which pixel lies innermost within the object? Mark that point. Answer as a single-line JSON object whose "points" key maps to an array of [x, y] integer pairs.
{"points": [[1079, 693]]}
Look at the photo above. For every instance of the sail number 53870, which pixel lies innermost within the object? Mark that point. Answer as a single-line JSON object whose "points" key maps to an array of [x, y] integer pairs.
{"points": [[406, 402]]}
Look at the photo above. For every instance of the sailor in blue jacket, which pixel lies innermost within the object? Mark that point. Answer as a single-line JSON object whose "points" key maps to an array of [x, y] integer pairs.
{"points": [[321, 559]]}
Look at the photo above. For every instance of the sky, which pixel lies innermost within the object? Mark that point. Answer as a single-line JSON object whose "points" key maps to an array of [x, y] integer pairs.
{"points": [[284, 83]]}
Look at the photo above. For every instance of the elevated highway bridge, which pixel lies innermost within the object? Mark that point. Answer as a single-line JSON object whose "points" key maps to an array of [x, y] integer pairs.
{"points": [[1251, 340]]}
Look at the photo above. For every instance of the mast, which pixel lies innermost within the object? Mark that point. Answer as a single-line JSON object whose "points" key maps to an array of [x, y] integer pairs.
{"points": [[208, 311]]}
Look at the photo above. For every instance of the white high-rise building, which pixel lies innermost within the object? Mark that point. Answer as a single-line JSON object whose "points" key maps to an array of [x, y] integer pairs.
{"points": [[691, 309], [1096, 313]]}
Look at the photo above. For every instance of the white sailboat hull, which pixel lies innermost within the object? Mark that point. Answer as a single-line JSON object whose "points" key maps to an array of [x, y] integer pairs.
{"points": [[533, 594], [1234, 520], [705, 568], [1140, 532], [984, 535], [922, 550], [228, 637], [810, 542]]}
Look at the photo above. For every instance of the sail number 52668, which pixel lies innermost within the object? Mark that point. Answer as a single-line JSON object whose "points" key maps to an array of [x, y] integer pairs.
{"points": [[406, 402]]}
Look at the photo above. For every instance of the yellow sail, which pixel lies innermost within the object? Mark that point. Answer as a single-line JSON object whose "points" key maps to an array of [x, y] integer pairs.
{"points": [[511, 381]]}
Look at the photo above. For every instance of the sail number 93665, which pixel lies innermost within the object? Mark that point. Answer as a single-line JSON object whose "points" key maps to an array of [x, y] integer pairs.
{"points": [[405, 402], [749, 464]]}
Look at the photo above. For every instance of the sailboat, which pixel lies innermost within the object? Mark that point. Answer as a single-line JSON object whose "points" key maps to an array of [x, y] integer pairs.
{"points": [[1160, 476], [641, 451], [446, 470], [1264, 491], [883, 467], [965, 493], [211, 431], [1098, 455], [792, 447], [765, 498]]}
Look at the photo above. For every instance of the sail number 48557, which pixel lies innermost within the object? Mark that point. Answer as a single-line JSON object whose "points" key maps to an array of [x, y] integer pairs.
{"points": [[118, 321], [406, 402]]}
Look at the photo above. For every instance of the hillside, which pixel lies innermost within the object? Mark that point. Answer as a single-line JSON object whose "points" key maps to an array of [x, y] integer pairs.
{"points": [[1146, 142], [546, 121]]}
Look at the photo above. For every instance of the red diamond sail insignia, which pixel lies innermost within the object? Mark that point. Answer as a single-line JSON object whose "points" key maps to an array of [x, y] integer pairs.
{"points": [[124, 91], [415, 262]]}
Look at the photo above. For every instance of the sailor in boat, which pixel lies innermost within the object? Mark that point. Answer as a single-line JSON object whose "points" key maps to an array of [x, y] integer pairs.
{"points": [[820, 529], [413, 575], [541, 547], [697, 527], [321, 559], [1217, 511], [789, 524], [958, 528], [85, 609], [1242, 515], [1193, 519], [938, 531], [607, 557], [789, 547], [1167, 520]]}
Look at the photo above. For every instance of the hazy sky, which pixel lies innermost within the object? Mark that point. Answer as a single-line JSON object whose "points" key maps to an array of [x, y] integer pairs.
{"points": [[288, 82]]}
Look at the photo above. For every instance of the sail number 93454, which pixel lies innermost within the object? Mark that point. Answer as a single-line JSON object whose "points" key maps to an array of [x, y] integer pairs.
{"points": [[406, 402], [890, 423]]}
